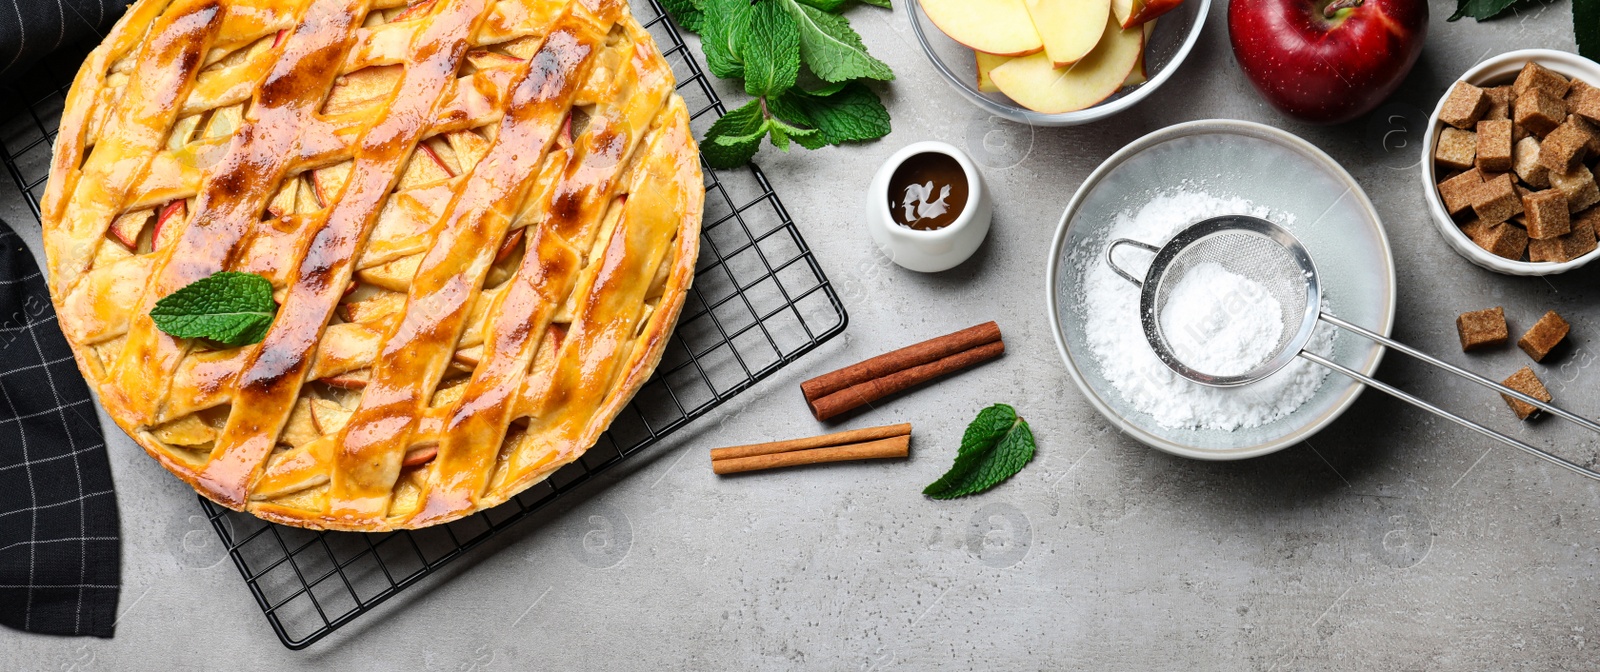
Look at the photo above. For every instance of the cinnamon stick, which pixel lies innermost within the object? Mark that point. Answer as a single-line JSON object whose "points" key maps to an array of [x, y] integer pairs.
{"points": [[808, 443], [910, 356], [897, 446], [868, 391]]}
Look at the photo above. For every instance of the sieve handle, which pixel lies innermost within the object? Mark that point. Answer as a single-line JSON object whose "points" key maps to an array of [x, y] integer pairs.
{"points": [[1424, 405], [1113, 262]]}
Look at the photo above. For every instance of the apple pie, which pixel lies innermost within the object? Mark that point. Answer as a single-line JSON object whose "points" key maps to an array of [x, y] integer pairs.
{"points": [[479, 220]]}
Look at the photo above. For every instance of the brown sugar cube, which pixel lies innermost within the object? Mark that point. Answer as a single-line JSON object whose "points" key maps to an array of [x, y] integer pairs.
{"points": [[1457, 191], [1578, 186], [1482, 329], [1538, 111], [1494, 146], [1500, 98], [1547, 215], [1591, 132], [1526, 382], [1457, 149], [1504, 240], [1525, 162], [1579, 242], [1565, 147], [1464, 106], [1535, 76], [1476, 231], [1496, 200], [1543, 336], [1584, 101]]}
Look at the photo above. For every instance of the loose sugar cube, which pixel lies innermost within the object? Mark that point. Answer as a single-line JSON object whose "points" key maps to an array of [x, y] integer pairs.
{"points": [[1500, 98], [1504, 240], [1496, 200], [1547, 214], [1457, 191], [1564, 147], [1457, 149], [1525, 162], [1526, 382], [1535, 76], [1543, 336], [1464, 106], [1494, 146], [1538, 111], [1578, 186], [1482, 329]]}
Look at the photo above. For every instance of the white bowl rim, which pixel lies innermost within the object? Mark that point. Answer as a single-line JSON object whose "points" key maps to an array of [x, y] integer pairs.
{"points": [[1200, 127], [1563, 62], [1086, 115]]}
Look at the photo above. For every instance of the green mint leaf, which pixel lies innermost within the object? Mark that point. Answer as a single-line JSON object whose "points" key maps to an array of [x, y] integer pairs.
{"points": [[827, 5], [786, 110], [233, 309], [688, 16], [996, 446], [723, 25], [830, 47], [783, 132], [1480, 9], [1586, 27], [879, 3], [770, 49], [853, 114], [733, 139]]}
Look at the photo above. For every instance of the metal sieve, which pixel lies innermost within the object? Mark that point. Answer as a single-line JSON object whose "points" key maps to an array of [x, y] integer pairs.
{"points": [[1273, 258]]}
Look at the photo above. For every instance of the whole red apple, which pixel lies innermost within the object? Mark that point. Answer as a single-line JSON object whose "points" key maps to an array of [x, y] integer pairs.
{"points": [[1326, 61]]}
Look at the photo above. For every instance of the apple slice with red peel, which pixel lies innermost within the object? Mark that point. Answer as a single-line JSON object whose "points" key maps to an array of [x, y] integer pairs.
{"points": [[175, 212], [1140, 75], [1124, 11], [126, 228], [278, 39], [470, 148], [1147, 11], [1070, 28], [282, 203], [362, 88], [417, 457], [441, 153], [1000, 27], [1035, 83], [353, 380], [510, 245], [483, 59], [424, 168], [986, 64]]}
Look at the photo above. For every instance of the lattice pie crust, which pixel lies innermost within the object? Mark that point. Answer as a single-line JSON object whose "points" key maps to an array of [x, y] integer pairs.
{"points": [[480, 219]]}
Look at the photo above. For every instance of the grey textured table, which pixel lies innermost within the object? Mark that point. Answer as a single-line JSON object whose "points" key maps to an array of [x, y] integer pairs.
{"points": [[1393, 541]]}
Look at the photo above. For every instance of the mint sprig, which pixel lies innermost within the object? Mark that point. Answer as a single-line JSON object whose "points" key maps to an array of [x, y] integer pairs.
{"points": [[230, 308], [801, 61], [996, 446]]}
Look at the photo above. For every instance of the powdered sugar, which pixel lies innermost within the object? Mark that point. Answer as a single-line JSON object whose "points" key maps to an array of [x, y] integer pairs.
{"points": [[1220, 323], [1116, 339]]}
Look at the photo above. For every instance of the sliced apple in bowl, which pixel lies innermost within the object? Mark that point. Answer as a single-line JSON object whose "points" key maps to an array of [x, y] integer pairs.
{"points": [[1037, 84], [999, 27], [1070, 29]]}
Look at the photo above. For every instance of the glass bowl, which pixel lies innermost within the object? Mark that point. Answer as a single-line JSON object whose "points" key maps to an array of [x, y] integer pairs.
{"points": [[1175, 34]]}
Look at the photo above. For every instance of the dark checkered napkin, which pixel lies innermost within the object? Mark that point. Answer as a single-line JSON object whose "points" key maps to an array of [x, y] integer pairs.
{"points": [[60, 553], [29, 29]]}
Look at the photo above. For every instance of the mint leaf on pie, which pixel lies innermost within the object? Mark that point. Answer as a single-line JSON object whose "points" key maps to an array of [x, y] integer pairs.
{"points": [[995, 447], [770, 49], [831, 48], [230, 308]]}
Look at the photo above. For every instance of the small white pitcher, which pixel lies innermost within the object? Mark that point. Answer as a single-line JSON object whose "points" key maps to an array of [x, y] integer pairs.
{"points": [[938, 249]]}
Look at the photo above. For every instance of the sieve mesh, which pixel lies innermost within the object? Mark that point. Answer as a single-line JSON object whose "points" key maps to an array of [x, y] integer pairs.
{"points": [[1261, 259]]}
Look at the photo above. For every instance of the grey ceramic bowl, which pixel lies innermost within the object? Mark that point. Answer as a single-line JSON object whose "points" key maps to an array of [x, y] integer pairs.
{"points": [[1268, 167], [1174, 35]]}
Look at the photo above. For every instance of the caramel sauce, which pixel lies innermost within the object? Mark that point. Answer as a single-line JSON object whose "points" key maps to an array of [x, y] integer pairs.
{"points": [[927, 192]]}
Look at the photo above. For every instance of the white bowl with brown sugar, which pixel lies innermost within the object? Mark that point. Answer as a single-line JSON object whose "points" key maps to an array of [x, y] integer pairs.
{"points": [[1502, 70]]}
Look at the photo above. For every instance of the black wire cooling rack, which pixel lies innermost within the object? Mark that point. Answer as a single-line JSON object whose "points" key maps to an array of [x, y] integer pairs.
{"points": [[759, 302]]}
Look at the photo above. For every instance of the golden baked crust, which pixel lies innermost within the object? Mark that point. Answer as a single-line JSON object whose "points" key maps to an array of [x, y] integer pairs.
{"points": [[479, 217]]}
